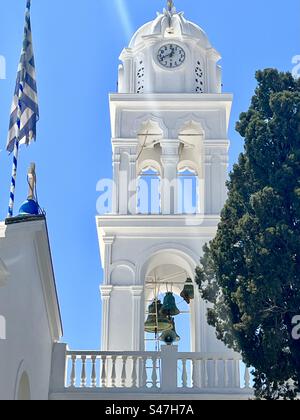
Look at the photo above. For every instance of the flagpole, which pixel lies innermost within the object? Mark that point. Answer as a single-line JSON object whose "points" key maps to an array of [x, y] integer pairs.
{"points": [[14, 170], [28, 133]]}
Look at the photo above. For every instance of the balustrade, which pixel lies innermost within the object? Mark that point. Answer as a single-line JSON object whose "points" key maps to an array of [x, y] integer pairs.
{"points": [[143, 371]]}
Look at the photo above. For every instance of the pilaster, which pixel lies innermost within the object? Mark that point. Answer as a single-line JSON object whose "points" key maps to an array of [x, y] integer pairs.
{"points": [[169, 160], [137, 318], [106, 297]]}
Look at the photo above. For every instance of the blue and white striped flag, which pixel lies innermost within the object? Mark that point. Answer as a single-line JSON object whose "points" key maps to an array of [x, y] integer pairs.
{"points": [[25, 110]]}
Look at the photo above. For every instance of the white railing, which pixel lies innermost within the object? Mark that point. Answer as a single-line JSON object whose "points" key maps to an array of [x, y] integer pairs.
{"points": [[167, 371], [212, 371], [113, 370]]}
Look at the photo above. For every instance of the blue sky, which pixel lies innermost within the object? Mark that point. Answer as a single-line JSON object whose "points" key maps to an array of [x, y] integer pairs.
{"points": [[77, 45]]}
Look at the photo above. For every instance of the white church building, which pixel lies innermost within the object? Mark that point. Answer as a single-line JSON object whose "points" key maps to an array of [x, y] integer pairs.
{"points": [[169, 124]]}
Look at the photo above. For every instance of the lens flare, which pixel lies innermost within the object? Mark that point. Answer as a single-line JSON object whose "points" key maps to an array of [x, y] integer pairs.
{"points": [[122, 8]]}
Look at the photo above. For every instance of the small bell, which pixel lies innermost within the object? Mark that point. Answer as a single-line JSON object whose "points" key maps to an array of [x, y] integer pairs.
{"points": [[156, 322], [170, 336], [188, 292], [169, 307]]}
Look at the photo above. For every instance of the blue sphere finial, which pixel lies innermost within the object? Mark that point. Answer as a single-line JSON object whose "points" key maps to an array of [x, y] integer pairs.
{"points": [[29, 208]]}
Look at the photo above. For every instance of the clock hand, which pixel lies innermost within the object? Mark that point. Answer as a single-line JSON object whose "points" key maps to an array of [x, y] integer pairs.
{"points": [[169, 55]]}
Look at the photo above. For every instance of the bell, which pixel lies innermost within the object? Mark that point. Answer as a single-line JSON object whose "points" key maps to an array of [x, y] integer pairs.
{"points": [[170, 336], [169, 307], [188, 292], [156, 322]]}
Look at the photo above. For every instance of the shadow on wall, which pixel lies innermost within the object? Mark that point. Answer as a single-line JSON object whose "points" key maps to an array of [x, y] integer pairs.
{"points": [[24, 388]]}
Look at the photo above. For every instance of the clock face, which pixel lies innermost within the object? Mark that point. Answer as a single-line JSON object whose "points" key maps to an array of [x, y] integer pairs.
{"points": [[171, 56]]}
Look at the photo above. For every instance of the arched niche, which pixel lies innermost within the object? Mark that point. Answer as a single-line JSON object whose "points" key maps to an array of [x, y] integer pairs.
{"points": [[122, 273], [151, 126], [149, 133]]}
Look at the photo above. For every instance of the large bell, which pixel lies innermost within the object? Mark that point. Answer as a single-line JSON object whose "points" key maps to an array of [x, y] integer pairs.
{"points": [[156, 322], [169, 307], [188, 292], [170, 336]]}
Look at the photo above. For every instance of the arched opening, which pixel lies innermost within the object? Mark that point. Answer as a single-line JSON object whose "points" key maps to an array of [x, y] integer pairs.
{"points": [[148, 196], [161, 281], [188, 191], [167, 271], [24, 393]]}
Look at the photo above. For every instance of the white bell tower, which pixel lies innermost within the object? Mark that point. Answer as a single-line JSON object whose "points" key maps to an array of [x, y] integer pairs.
{"points": [[169, 123]]}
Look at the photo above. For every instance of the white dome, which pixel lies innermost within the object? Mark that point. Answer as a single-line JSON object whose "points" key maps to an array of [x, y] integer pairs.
{"points": [[162, 23]]}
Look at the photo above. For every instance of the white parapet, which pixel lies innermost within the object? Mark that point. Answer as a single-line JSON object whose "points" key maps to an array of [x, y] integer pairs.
{"points": [[100, 375]]}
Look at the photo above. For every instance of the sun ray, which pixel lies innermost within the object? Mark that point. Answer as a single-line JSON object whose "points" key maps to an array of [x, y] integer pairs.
{"points": [[123, 12]]}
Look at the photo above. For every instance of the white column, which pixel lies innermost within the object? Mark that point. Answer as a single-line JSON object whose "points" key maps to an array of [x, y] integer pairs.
{"points": [[105, 296], [123, 181], [169, 160], [208, 183], [132, 194], [198, 323], [127, 177], [128, 74], [108, 243], [198, 334], [116, 178], [121, 87], [224, 176], [137, 318], [213, 58]]}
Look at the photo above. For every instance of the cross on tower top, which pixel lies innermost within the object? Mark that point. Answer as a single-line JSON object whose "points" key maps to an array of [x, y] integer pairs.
{"points": [[170, 5]]}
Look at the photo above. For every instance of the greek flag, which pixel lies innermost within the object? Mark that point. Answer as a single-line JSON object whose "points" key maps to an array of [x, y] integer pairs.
{"points": [[25, 110]]}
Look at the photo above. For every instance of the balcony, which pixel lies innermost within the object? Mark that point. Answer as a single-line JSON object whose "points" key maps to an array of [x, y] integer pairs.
{"points": [[167, 374]]}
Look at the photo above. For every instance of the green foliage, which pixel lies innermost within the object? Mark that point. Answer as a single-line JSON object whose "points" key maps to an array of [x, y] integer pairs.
{"points": [[250, 272]]}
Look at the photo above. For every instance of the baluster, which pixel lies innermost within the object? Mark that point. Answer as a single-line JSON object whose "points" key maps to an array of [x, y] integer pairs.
{"points": [[237, 379], [194, 381], [205, 373], [113, 372], [154, 372], [83, 372], [216, 374], [94, 375], [247, 378], [124, 373], [134, 372], [184, 374], [103, 372], [144, 373], [226, 378], [73, 371]]}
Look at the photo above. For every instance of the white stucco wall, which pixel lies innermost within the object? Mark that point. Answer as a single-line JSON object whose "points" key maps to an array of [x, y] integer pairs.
{"points": [[25, 302]]}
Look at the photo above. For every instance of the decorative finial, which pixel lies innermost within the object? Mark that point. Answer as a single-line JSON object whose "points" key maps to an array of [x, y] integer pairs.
{"points": [[30, 207], [170, 5], [170, 11], [31, 179]]}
